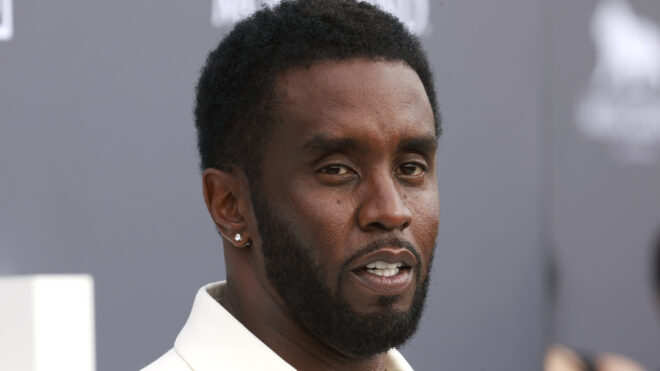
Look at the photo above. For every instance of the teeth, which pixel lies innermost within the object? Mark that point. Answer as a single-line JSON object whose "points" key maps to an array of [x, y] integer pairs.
{"points": [[387, 272], [379, 264]]}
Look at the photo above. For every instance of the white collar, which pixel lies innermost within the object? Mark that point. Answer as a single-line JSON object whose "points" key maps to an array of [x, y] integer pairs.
{"points": [[213, 339]]}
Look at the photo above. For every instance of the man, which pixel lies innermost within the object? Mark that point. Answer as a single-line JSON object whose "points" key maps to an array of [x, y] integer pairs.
{"points": [[317, 130]]}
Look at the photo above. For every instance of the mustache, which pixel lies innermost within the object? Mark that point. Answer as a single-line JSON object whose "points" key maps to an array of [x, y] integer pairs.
{"points": [[379, 244]]}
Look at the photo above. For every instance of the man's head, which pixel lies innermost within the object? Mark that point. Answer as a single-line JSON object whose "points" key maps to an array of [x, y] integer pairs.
{"points": [[317, 130], [236, 102]]}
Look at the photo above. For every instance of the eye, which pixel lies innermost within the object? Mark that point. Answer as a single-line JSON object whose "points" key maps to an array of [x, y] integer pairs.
{"points": [[411, 169], [335, 169], [336, 174]]}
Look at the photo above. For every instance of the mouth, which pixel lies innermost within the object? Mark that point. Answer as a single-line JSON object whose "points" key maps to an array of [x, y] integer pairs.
{"points": [[385, 272], [385, 269]]}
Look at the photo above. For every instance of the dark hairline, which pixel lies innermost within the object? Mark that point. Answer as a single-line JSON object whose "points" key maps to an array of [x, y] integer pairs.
{"points": [[243, 124]]}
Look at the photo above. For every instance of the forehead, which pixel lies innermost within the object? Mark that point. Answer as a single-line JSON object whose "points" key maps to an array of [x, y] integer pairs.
{"points": [[357, 95]]}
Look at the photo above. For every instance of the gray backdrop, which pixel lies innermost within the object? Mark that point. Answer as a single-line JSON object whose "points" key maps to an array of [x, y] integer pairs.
{"points": [[98, 174], [601, 210]]}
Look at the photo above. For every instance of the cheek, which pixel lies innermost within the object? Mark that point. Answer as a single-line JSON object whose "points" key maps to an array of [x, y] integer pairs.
{"points": [[331, 214], [324, 225], [428, 214], [425, 208], [323, 220]]}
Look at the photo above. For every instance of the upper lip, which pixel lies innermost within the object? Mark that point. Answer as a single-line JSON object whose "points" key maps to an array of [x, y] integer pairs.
{"points": [[389, 254]]}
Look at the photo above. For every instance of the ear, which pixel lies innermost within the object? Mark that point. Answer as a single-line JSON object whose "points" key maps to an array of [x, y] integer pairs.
{"points": [[222, 193]]}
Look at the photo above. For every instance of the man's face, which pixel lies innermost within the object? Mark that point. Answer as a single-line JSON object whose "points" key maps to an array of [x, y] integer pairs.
{"points": [[347, 203]]}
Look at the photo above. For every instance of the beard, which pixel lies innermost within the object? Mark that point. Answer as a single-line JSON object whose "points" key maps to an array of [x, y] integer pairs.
{"points": [[290, 267]]}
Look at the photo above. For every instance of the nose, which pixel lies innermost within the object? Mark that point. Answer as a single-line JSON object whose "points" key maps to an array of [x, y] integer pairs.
{"points": [[382, 207]]}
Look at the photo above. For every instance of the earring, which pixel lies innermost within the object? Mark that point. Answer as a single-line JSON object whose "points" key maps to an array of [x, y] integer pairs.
{"points": [[238, 238]]}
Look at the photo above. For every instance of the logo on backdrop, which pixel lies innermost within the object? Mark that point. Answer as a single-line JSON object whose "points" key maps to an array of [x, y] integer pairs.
{"points": [[621, 104], [6, 21], [414, 13]]}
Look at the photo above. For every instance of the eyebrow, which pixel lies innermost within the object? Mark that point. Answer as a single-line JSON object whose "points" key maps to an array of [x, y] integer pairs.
{"points": [[321, 143], [325, 144], [425, 144]]}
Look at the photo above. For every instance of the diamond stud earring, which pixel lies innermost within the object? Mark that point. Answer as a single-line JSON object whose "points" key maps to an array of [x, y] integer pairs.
{"points": [[238, 238]]}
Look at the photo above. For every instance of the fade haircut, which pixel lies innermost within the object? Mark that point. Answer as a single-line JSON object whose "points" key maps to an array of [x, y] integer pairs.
{"points": [[236, 94]]}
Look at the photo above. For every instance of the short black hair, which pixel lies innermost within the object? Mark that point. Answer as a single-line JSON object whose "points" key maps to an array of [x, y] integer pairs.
{"points": [[235, 94]]}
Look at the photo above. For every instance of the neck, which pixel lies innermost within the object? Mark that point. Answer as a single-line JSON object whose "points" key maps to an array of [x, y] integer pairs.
{"points": [[262, 312]]}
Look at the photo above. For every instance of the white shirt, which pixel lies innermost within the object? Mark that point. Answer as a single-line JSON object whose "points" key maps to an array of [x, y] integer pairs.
{"points": [[214, 340]]}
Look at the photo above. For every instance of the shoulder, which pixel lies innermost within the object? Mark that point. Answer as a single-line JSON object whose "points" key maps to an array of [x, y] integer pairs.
{"points": [[616, 362], [170, 361], [561, 358]]}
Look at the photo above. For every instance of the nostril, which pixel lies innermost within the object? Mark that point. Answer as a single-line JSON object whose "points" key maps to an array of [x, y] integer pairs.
{"points": [[383, 209], [379, 226], [388, 225]]}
